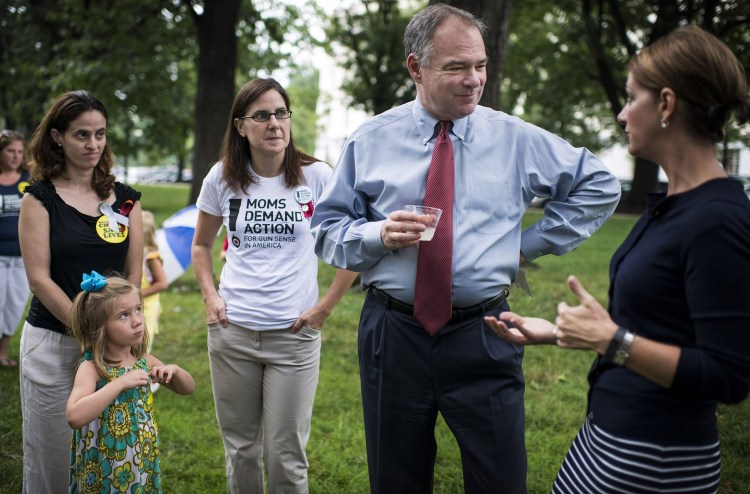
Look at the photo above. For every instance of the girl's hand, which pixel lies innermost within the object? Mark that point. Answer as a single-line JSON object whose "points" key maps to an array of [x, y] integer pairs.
{"points": [[172, 376], [133, 379], [163, 373], [525, 330]]}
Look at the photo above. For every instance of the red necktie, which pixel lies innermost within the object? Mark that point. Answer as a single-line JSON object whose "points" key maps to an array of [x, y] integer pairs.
{"points": [[432, 293]]}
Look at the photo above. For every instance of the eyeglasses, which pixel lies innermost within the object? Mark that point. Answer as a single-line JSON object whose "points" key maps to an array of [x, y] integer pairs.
{"points": [[263, 116]]}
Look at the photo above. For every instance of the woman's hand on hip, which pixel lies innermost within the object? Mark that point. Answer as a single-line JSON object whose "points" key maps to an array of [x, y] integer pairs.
{"points": [[216, 310], [314, 317]]}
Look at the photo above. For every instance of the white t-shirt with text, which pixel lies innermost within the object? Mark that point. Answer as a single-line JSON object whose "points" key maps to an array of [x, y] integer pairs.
{"points": [[270, 274]]}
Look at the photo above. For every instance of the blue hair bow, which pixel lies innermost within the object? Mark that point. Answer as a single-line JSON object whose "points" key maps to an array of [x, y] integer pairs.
{"points": [[93, 282]]}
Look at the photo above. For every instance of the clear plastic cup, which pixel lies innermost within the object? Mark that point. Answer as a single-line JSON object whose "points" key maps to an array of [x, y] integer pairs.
{"points": [[429, 217]]}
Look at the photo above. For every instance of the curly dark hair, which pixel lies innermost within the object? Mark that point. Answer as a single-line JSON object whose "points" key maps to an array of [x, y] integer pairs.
{"points": [[48, 159]]}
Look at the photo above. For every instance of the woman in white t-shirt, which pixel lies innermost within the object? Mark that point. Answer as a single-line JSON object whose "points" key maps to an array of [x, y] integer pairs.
{"points": [[264, 321]]}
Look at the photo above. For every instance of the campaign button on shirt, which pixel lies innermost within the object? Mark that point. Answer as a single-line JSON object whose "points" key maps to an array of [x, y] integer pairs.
{"points": [[303, 195]]}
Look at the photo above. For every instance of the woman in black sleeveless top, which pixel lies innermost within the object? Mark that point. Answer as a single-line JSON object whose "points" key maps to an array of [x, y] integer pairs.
{"points": [[74, 218]]}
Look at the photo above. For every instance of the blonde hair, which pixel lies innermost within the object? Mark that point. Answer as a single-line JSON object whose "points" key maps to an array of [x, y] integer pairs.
{"points": [[149, 230], [89, 316]]}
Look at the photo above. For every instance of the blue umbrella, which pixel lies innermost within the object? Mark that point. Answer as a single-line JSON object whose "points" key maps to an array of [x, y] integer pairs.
{"points": [[175, 239]]}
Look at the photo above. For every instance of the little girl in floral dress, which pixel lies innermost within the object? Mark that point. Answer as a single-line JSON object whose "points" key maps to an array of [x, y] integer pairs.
{"points": [[115, 447]]}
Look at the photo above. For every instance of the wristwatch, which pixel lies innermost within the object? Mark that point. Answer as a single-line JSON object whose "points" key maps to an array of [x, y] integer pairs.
{"points": [[619, 348]]}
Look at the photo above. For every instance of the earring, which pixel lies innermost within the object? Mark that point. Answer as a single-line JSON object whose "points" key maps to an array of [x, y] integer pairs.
{"points": [[664, 124]]}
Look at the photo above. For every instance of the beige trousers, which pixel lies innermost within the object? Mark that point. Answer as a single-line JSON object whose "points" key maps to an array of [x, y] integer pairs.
{"points": [[264, 386], [48, 365]]}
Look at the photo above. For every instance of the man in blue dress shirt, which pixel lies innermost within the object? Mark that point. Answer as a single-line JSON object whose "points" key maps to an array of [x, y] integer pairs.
{"points": [[465, 372]]}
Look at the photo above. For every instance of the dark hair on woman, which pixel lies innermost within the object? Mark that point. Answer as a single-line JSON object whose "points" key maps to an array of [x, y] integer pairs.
{"points": [[235, 150], [48, 159], [9, 136], [702, 71]]}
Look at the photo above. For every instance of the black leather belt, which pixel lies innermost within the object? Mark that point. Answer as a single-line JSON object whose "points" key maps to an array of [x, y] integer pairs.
{"points": [[459, 313]]}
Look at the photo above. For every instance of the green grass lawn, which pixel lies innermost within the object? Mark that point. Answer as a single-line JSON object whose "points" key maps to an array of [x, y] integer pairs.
{"points": [[191, 449]]}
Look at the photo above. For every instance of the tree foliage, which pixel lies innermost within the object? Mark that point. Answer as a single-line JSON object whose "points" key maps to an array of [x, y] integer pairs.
{"points": [[166, 72], [367, 39], [570, 79], [303, 91], [165, 69], [125, 52], [549, 79]]}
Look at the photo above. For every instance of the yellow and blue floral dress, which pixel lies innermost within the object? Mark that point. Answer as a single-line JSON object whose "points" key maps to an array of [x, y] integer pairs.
{"points": [[118, 451]]}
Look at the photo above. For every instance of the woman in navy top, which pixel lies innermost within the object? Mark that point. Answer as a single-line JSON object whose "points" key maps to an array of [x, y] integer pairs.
{"points": [[675, 340], [14, 289]]}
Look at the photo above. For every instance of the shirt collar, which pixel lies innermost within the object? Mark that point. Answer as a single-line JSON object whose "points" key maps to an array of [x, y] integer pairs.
{"points": [[427, 124]]}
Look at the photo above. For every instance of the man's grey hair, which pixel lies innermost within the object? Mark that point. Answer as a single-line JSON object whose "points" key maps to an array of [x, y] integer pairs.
{"points": [[419, 33]]}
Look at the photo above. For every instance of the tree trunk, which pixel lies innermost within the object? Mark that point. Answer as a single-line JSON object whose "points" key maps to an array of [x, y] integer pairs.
{"points": [[645, 180], [180, 168], [496, 15], [217, 63]]}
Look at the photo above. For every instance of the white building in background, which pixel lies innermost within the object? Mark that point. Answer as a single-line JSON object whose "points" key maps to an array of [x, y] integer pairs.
{"points": [[336, 118], [618, 160], [621, 163], [738, 160]]}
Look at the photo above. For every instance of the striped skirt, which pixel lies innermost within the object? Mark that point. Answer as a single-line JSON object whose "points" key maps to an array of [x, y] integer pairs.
{"points": [[600, 463]]}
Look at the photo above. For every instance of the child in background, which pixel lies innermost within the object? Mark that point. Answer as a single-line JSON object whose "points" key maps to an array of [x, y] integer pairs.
{"points": [[14, 287], [115, 446], [154, 279]]}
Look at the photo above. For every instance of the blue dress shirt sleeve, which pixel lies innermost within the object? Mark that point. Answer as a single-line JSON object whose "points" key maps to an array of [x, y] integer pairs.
{"points": [[347, 234], [583, 194]]}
